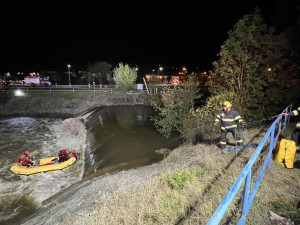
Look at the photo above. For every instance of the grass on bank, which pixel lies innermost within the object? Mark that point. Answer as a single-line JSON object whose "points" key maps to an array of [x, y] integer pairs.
{"points": [[191, 193]]}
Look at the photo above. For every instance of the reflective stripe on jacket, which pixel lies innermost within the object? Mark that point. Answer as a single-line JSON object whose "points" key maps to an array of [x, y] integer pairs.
{"points": [[295, 112], [229, 119]]}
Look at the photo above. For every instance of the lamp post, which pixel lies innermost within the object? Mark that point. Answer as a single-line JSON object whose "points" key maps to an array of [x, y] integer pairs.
{"points": [[69, 75], [159, 69]]}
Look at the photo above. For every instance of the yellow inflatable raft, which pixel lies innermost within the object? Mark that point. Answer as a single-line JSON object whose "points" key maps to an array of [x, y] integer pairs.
{"points": [[45, 165]]}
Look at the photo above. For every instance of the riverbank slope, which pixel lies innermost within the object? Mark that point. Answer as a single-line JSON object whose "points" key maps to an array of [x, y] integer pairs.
{"points": [[144, 195]]}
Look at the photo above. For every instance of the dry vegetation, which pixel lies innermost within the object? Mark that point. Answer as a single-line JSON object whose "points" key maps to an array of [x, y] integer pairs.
{"points": [[191, 192]]}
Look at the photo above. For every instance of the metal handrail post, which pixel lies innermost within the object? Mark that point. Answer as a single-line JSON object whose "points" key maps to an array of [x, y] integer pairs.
{"points": [[245, 175], [246, 197]]}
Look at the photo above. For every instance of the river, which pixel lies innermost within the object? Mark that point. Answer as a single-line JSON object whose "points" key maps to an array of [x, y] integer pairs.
{"points": [[110, 138]]}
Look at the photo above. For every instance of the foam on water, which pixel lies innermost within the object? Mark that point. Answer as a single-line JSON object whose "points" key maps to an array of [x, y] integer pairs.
{"points": [[43, 138]]}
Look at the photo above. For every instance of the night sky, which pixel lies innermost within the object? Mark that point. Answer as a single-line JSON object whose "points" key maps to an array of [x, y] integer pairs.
{"points": [[49, 35]]}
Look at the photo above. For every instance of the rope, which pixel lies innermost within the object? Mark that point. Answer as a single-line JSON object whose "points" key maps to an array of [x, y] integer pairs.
{"points": [[255, 122]]}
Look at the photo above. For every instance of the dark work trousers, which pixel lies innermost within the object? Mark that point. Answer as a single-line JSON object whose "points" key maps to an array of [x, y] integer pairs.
{"points": [[296, 136], [234, 133]]}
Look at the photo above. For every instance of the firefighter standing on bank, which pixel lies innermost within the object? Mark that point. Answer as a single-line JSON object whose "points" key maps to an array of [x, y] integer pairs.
{"points": [[229, 119], [296, 133]]}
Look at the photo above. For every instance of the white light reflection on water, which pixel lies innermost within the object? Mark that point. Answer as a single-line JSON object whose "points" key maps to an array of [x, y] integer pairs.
{"points": [[43, 138]]}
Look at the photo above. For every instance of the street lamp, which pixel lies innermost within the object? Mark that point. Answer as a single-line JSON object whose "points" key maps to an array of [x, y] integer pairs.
{"points": [[69, 75], [159, 69]]}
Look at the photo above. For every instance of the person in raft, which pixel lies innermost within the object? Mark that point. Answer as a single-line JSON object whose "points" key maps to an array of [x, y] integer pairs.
{"points": [[74, 154], [63, 155], [25, 160]]}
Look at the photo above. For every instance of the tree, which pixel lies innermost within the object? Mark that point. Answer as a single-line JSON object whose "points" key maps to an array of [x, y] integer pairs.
{"points": [[253, 70], [174, 104], [99, 72], [125, 77]]}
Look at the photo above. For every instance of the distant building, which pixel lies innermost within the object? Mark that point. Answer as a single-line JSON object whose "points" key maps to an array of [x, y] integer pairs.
{"points": [[164, 79], [36, 81], [175, 76]]}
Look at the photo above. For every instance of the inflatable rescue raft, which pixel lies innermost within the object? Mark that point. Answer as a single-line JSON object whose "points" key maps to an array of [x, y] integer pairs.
{"points": [[41, 165]]}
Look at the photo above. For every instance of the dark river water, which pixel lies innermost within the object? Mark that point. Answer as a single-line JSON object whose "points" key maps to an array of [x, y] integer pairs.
{"points": [[108, 139], [123, 137]]}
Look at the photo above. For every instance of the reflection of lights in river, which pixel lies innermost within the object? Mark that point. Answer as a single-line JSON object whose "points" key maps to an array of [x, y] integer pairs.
{"points": [[92, 159], [19, 93]]}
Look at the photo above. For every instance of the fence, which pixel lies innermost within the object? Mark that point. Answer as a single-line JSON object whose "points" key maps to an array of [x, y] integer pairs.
{"points": [[65, 88], [75, 88], [272, 135], [154, 89]]}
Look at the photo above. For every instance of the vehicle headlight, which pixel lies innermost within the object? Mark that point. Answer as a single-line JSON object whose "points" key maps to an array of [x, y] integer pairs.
{"points": [[19, 92]]}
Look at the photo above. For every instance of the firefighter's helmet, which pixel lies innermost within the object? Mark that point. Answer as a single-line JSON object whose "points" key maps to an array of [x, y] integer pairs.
{"points": [[227, 104]]}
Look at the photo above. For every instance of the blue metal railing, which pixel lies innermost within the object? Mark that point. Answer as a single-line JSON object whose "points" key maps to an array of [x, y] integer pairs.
{"points": [[248, 196]]}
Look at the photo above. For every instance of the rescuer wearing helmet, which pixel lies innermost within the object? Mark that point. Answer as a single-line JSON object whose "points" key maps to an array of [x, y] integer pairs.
{"points": [[229, 118], [73, 154], [63, 155], [25, 161], [296, 133]]}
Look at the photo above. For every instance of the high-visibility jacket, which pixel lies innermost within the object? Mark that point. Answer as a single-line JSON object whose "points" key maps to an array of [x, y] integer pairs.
{"points": [[229, 119], [295, 112]]}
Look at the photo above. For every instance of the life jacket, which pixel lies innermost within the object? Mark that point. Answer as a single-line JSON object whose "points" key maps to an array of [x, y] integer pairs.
{"points": [[63, 155], [25, 161]]}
